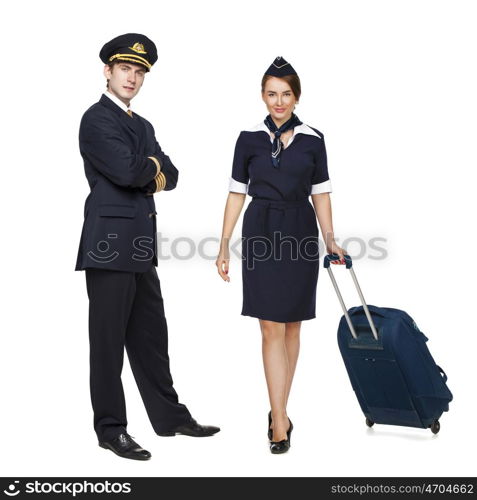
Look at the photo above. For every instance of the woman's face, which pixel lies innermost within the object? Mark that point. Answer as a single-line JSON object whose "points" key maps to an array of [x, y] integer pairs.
{"points": [[279, 99]]}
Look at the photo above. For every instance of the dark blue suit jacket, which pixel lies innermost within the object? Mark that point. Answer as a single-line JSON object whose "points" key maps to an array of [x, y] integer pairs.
{"points": [[119, 230]]}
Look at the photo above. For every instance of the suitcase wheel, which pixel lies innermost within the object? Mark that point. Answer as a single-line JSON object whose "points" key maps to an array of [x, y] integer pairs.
{"points": [[435, 426], [369, 422]]}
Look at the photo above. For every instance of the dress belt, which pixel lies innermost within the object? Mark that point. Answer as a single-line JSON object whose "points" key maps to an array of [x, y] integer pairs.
{"points": [[284, 204], [281, 205]]}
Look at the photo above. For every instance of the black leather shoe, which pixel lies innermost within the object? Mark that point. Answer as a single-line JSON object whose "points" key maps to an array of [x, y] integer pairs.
{"points": [[124, 446], [193, 429], [270, 431], [282, 446]]}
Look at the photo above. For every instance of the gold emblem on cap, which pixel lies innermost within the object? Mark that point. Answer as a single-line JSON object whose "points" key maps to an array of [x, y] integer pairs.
{"points": [[139, 48]]}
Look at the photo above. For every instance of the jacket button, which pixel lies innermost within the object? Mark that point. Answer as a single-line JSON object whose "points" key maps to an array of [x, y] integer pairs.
{"points": [[151, 214]]}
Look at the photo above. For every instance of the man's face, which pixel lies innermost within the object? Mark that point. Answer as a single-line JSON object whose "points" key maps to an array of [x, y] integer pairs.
{"points": [[125, 80]]}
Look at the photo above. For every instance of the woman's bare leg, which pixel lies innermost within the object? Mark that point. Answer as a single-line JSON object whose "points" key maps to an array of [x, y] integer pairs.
{"points": [[292, 343], [275, 363]]}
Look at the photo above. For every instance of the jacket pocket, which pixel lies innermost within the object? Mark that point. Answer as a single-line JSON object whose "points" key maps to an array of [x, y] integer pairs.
{"points": [[117, 211]]}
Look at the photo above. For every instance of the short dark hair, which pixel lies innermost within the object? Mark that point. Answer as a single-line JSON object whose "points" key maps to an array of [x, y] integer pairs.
{"points": [[292, 80], [111, 66]]}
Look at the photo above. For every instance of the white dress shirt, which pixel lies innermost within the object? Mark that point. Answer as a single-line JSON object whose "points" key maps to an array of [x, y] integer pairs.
{"points": [[117, 101]]}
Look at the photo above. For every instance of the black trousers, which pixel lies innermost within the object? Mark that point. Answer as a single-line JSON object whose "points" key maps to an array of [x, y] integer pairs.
{"points": [[126, 310]]}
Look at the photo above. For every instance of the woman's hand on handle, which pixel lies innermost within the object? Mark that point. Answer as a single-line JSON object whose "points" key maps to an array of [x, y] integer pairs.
{"points": [[334, 248]]}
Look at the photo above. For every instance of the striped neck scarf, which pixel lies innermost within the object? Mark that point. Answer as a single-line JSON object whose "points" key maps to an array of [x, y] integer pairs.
{"points": [[277, 143]]}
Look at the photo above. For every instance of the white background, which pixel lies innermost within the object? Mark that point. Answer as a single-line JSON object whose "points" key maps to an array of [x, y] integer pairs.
{"points": [[391, 84]]}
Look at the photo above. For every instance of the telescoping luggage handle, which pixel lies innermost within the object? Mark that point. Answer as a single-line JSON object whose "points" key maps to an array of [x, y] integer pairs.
{"points": [[349, 265]]}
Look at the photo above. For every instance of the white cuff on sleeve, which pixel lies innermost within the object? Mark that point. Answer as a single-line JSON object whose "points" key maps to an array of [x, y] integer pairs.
{"points": [[322, 187], [237, 187]]}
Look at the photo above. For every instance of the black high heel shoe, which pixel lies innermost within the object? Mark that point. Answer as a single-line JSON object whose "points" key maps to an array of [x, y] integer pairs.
{"points": [[270, 431], [282, 446]]}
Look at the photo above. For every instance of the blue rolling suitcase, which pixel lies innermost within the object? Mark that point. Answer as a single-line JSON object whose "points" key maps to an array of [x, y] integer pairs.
{"points": [[391, 370]]}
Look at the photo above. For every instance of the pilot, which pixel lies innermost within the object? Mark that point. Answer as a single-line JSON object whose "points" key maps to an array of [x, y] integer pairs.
{"points": [[125, 167]]}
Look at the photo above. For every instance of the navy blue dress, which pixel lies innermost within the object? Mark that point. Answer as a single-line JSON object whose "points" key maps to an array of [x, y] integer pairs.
{"points": [[280, 257]]}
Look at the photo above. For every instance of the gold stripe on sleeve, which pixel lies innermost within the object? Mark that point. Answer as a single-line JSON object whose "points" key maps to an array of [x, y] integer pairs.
{"points": [[164, 179], [157, 163], [157, 185]]}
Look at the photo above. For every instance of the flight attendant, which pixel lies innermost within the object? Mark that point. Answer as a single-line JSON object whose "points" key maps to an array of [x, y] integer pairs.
{"points": [[125, 166], [280, 163]]}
